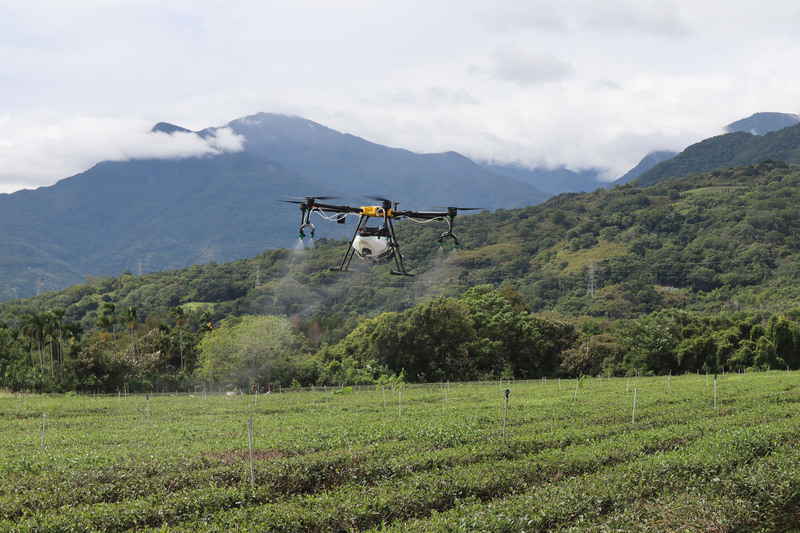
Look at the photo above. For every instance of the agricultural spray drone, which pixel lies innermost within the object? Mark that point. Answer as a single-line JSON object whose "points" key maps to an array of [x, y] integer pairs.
{"points": [[374, 244]]}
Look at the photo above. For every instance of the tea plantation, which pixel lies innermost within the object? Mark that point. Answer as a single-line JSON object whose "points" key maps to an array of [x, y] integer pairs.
{"points": [[567, 456]]}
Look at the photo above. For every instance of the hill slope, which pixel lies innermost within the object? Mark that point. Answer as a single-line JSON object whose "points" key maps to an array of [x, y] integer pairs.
{"points": [[725, 240], [730, 150]]}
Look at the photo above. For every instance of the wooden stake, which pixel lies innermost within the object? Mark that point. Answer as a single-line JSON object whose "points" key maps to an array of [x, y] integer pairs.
{"points": [[633, 418], [44, 424], [400, 403], [505, 415], [715, 392], [250, 441]]}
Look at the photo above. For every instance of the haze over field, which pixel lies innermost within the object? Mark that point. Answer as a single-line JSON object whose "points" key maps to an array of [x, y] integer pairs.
{"points": [[576, 83]]}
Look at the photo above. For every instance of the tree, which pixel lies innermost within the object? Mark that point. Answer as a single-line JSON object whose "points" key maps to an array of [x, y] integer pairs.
{"points": [[55, 331], [784, 336], [251, 349], [177, 314], [206, 321], [108, 311], [129, 319], [508, 338], [652, 341], [103, 324], [33, 327]]}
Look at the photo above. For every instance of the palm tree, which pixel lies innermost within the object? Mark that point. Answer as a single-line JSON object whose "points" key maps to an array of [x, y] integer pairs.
{"points": [[206, 321], [104, 323], [178, 314], [128, 318], [56, 332], [49, 330], [33, 327], [108, 310], [71, 332]]}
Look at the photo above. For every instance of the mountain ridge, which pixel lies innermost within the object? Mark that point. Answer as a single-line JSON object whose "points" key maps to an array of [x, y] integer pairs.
{"points": [[169, 213], [734, 149]]}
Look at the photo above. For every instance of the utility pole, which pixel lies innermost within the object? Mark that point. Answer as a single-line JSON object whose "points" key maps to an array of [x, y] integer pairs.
{"points": [[258, 276], [591, 289]]}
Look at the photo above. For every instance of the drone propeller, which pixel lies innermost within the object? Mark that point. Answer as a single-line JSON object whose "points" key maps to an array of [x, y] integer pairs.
{"points": [[385, 202], [461, 208], [382, 200], [307, 199]]}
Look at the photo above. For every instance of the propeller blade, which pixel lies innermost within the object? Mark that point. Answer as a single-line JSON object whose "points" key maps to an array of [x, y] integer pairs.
{"points": [[461, 208], [307, 200], [379, 199], [314, 197]]}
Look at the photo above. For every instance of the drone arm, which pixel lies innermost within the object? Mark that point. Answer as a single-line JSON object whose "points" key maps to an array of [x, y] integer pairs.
{"points": [[307, 209], [448, 216], [335, 208]]}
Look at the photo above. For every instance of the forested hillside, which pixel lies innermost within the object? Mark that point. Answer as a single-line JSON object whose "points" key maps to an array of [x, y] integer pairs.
{"points": [[693, 273], [733, 149]]}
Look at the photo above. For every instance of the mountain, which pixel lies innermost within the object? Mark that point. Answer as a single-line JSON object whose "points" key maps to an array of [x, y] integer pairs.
{"points": [[729, 150], [740, 146], [356, 167], [647, 162], [157, 214], [550, 181], [763, 123]]}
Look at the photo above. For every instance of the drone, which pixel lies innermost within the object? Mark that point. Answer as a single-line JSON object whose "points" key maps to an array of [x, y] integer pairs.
{"points": [[377, 243]]}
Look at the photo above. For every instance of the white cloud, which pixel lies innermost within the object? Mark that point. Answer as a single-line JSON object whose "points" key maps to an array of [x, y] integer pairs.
{"points": [[574, 82], [515, 64], [43, 146]]}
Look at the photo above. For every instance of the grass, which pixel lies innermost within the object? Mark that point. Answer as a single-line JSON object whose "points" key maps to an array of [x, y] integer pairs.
{"points": [[344, 462]]}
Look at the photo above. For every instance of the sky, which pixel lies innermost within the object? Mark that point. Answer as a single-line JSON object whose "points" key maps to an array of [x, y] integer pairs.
{"points": [[574, 83]]}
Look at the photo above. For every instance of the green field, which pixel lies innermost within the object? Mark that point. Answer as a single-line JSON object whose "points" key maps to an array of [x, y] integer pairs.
{"points": [[346, 462]]}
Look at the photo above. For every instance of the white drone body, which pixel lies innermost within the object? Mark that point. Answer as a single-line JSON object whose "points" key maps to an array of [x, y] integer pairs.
{"points": [[374, 244]]}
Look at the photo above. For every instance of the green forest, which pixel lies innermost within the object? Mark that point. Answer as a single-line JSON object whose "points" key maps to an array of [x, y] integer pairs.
{"points": [[691, 274]]}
